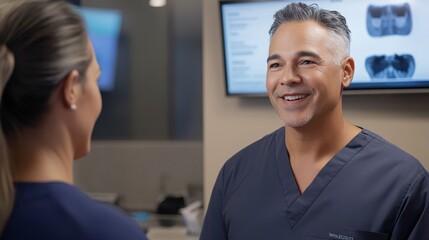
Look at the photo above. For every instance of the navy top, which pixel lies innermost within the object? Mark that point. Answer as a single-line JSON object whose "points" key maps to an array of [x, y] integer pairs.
{"points": [[369, 190], [56, 210]]}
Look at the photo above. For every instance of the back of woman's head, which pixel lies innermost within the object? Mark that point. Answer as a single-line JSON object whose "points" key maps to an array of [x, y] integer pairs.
{"points": [[47, 41], [41, 42]]}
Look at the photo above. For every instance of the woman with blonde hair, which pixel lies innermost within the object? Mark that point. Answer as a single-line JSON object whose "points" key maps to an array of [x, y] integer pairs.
{"points": [[49, 103]]}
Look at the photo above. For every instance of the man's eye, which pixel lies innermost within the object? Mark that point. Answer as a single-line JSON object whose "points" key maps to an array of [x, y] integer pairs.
{"points": [[274, 65], [306, 62]]}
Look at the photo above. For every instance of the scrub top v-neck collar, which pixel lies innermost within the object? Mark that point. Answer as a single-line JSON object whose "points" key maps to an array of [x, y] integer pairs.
{"points": [[297, 204]]}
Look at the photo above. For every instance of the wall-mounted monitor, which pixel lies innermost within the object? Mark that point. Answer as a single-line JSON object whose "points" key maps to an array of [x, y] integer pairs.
{"points": [[103, 27], [389, 44]]}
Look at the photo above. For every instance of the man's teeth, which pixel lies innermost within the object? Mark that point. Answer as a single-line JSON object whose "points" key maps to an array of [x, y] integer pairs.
{"points": [[293, 98]]}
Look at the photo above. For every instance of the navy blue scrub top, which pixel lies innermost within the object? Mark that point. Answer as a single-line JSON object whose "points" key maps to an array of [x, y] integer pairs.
{"points": [[59, 211], [369, 190]]}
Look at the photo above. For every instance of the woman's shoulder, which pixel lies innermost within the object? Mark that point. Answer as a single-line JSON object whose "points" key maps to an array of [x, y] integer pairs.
{"points": [[62, 209]]}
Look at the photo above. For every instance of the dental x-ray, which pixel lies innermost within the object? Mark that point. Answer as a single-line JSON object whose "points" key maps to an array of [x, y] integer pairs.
{"points": [[389, 20], [388, 67], [385, 21]]}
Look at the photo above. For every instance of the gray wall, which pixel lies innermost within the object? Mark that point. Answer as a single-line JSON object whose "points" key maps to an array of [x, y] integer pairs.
{"points": [[142, 171], [186, 74]]}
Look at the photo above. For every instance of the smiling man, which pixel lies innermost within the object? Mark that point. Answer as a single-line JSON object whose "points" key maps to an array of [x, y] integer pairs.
{"points": [[319, 176]]}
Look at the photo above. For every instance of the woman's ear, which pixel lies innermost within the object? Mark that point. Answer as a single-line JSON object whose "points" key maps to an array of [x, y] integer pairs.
{"points": [[71, 89], [348, 68]]}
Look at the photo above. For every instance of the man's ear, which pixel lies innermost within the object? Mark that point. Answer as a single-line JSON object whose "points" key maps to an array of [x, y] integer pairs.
{"points": [[348, 68], [71, 89]]}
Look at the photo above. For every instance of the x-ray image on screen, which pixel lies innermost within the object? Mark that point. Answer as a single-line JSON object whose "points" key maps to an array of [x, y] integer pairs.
{"points": [[389, 20], [388, 67]]}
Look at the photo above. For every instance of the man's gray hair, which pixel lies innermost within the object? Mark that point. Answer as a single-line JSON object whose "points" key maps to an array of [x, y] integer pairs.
{"points": [[333, 21]]}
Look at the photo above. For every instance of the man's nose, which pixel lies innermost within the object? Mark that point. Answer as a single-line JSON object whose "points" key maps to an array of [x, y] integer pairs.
{"points": [[289, 76]]}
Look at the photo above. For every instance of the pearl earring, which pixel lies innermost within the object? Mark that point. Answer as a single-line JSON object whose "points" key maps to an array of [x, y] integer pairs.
{"points": [[73, 106]]}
